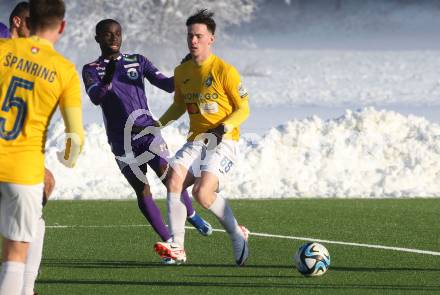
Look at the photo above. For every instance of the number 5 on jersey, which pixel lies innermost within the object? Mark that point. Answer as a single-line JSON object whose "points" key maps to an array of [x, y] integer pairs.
{"points": [[11, 101]]}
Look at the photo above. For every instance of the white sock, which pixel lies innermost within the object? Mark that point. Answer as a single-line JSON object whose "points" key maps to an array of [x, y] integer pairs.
{"points": [[11, 278], [176, 217], [223, 212], [33, 261]]}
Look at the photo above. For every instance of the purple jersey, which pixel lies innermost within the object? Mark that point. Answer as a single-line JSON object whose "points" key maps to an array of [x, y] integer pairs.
{"points": [[125, 94], [4, 31]]}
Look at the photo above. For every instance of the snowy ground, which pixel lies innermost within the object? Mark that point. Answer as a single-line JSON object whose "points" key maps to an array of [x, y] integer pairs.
{"points": [[362, 154]]}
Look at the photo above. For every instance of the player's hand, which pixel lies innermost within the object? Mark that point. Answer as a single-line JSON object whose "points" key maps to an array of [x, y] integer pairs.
{"points": [[218, 132], [109, 71], [69, 163], [186, 58]]}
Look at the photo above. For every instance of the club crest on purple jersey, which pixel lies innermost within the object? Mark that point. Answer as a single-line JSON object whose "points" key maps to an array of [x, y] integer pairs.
{"points": [[132, 74]]}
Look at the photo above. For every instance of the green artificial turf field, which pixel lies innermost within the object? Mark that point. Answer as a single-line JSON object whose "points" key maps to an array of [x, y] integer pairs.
{"points": [[106, 247]]}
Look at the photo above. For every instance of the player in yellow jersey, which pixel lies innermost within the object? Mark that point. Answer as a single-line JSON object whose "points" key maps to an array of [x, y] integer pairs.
{"points": [[34, 79], [19, 29], [210, 91]]}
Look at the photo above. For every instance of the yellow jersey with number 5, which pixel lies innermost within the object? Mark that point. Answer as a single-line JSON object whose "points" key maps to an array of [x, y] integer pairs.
{"points": [[34, 79]]}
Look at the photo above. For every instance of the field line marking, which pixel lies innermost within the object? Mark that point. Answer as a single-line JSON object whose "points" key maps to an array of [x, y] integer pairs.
{"points": [[266, 235], [350, 244]]}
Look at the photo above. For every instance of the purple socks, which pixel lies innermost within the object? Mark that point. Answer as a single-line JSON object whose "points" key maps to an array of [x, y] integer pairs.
{"points": [[188, 204], [152, 213], [154, 217]]}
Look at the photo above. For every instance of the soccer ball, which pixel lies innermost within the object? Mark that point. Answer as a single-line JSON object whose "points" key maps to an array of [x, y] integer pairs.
{"points": [[312, 259]]}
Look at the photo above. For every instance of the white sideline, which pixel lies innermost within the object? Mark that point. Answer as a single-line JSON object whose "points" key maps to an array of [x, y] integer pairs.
{"points": [[399, 249]]}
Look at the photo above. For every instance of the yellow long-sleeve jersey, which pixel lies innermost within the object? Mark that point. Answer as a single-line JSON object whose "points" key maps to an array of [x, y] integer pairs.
{"points": [[34, 79], [212, 94]]}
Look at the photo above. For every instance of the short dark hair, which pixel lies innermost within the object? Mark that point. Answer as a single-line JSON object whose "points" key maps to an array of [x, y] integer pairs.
{"points": [[18, 10], [203, 16], [45, 14], [104, 23]]}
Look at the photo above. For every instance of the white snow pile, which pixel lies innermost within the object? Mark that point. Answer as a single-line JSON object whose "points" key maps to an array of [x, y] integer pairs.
{"points": [[368, 153]]}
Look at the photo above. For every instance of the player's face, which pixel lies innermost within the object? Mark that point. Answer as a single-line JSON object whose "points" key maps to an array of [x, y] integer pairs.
{"points": [[110, 39], [199, 40]]}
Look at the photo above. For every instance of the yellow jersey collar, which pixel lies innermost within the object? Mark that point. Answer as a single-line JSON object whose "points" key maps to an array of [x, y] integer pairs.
{"points": [[207, 61], [42, 41]]}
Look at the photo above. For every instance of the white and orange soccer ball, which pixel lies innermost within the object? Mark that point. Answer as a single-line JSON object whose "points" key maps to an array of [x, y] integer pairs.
{"points": [[312, 259]]}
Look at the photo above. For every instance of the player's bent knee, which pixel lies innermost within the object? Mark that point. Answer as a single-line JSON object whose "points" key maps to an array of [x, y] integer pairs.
{"points": [[203, 195], [174, 183]]}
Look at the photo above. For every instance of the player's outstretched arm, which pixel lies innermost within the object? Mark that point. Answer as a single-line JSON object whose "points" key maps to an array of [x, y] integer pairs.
{"points": [[70, 107], [155, 77], [72, 117], [237, 117], [239, 97], [234, 120], [163, 82], [174, 112]]}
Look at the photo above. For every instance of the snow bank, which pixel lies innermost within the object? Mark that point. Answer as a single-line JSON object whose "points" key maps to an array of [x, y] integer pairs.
{"points": [[368, 153]]}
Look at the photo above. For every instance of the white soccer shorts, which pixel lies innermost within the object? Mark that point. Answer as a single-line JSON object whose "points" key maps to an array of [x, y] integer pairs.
{"points": [[196, 157], [20, 209]]}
